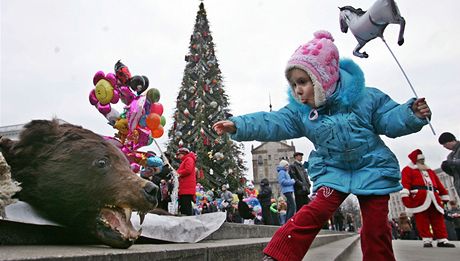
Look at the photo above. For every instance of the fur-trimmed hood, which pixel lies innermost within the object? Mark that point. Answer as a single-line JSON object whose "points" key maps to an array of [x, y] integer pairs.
{"points": [[351, 76]]}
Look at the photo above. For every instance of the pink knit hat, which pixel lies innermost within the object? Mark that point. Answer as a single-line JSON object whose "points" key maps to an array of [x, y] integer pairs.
{"points": [[320, 59]]}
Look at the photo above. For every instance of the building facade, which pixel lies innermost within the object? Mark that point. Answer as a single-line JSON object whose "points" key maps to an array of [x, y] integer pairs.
{"points": [[12, 131], [265, 160]]}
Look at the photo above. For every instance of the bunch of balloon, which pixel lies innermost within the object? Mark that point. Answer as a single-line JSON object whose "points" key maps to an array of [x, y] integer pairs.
{"points": [[141, 119], [155, 120]]}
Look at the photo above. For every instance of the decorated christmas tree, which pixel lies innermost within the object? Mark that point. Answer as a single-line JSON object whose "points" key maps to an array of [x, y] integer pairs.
{"points": [[200, 103]]}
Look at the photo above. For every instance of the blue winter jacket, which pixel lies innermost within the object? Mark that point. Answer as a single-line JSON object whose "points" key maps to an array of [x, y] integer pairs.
{"points": [[349, 155], [285, 180]]}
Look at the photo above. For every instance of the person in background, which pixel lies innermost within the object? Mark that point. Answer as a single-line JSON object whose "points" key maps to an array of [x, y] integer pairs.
{"points": [[287, 187], [302, 183], [250, 190], [226, 196], [423, 194], [405, 226], [338, 219], [244, 210], [451, 165], [274, 212], [264, 197], [187, 180], [394, 228], [282, 209], [453, 215], [165, 195]]}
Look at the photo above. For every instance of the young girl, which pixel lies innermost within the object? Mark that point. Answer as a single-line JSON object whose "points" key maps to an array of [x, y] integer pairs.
{"points": [[330, 105]]}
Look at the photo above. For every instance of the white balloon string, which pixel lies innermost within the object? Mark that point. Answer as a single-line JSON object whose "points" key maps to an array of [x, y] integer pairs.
{"points": [[175, 191], [408, 81]]}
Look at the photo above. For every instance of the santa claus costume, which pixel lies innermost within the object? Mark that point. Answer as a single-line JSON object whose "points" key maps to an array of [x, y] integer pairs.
{"points": [[423, 194]]}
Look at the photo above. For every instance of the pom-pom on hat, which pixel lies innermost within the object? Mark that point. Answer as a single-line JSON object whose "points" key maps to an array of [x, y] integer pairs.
{"points": [[319, 58], [446, 137], [416, 155], [283, 163]]}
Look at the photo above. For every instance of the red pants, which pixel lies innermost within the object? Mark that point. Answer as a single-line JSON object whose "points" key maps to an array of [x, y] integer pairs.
{"points": [[292, 241], [433, 217]]}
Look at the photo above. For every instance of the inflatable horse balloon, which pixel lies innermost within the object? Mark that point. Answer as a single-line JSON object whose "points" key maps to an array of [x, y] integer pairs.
{"points": [[367, 25]]}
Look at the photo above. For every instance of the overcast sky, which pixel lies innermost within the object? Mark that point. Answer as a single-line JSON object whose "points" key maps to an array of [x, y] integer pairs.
{"points": [[50, 50]]}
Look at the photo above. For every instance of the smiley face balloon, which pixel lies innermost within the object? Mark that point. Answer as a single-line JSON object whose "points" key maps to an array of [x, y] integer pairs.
{"points": [[104, 91]]}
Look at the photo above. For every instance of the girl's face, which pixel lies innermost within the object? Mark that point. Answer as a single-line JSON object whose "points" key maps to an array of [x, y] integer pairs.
{"points": [[302, 86]]}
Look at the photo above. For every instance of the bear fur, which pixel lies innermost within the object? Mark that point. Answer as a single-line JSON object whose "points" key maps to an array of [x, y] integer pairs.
{"points": [[76, 178]]}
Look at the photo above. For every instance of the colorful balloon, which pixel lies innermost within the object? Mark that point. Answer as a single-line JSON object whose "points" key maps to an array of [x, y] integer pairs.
{"points": [[98, 76], [153, 95], [92, 97], [135, 167], [156, 108], [104, 108], [153, 120], [163, 121], [154, 161], [136, 110], [116, 97], [139, 83], [158, 132], [122, 72], [126, 95], [143, 138], [104, 91]]}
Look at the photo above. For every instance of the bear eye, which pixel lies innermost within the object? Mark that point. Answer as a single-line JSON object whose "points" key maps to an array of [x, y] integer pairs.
{"points": [[101, 163]]}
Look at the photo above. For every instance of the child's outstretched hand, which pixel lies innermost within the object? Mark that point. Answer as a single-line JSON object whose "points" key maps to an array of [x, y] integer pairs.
{"points": [[421, 109], [222, 127]]}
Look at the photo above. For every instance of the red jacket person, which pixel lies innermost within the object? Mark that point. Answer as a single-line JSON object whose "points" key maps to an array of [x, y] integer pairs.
{"points": [[423, 194], [187, 180]]}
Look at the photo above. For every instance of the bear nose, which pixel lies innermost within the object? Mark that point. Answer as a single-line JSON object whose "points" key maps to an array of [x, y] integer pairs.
{"points": [[151, 191]]}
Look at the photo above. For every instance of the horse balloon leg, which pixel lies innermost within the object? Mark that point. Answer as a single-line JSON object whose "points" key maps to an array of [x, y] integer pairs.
{"points": [[357, 53], [402, 25]]}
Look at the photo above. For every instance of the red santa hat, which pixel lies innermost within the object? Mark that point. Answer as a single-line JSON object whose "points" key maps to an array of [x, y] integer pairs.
{"points": [[416, 155]]}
